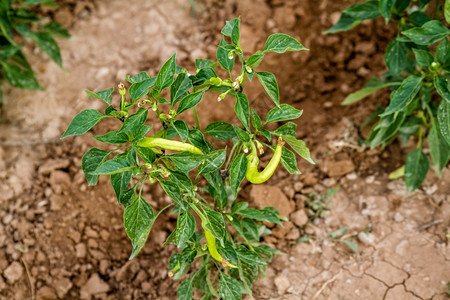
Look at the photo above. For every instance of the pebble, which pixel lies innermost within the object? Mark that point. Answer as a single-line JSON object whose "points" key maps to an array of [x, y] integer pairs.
{"points": [[54, 164], [329, 182], [80, 250], [298, 186], [94, 285], [104, 266], [63, 286], [46, 293], [59, 180], [128, 271], [282, 283], [266, 195], [300, 218], [293, 235], [13, 272], [398, 217], [366, 238], [352, 176]]}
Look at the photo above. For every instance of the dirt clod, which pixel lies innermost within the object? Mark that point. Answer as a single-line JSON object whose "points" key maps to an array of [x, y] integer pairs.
{"points": [[13, 272], [300, 218], [95, 285]]}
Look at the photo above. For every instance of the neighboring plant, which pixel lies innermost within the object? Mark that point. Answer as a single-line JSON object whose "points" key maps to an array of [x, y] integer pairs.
{"points": [[17, 16], [200, 179], [318, 205], [338, 236], [418, 63]]}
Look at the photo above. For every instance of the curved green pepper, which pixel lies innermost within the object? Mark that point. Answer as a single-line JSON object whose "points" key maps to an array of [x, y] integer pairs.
{"points": [[252, 174], [168, 145], [212, 248]]}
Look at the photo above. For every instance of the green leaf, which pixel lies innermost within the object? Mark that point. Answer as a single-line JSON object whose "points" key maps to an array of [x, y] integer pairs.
{"points": [[136, 119], [56, 29], [213, 161], [269, 83], [345, 22], [190, 101], [288, 160], [280, 43], [423, 57], [263, 215], [441, 85], [351, 245], [47, 44], [182, 181], [248, 256], [229, 288], [289, 128], [120, 182], [184, 291], [282, 113], [428, 34], [256, 120], [104, 95], [444, 120], [185, 161], [140, 89], [443, 52], [241, 134], [82, 122], [113, 166], [179, 88], [138, 219], [439, 149], [385, 129], [220, 131], [404, 94], [299, 147], [201, 63], [141, 76], [237, 172], [138, 132], [340, 232], [216, 224], [166, 74], [395, 57], [217, 189], [5, 22], [19, 77], [254, 60], [197, 139], [447, 11], [418, 18], [91, 160], [231, 29], [372, 86], [385, 7], [113, 137], [171, 189], [364, 11], [222, 56], [202, 76], [6, 51], [242, 110], [416, 168], [185, 229], [266, 133], [145, 153], [182, 129]]}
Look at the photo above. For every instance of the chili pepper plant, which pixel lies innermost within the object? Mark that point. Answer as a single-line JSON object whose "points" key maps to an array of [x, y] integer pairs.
{"points": [[418, 72], [203, 181], [18, 18]]}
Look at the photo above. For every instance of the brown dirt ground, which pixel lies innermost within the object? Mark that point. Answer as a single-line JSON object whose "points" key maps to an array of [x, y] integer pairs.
{"points": [[60, 239]]}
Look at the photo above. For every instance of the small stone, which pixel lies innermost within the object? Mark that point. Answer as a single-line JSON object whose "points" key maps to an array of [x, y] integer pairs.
{"points": [[90, 233], [366, 238], [351, 176], [298, 186], [62, 287], [104, 266], [309, 180], [293, 235], [13, 272], [146, 287], [398, 217], [46, 293], [80, 250], [93, 244], [300, 218], [57, 202], [339, 168], [54, 164], [264, 195], [329, 182], [128, 271], [94, 285], [282, 283], [59, 180]]}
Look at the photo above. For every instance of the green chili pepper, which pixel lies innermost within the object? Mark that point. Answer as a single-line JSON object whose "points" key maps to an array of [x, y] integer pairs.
{"points": [[211, 242], [168, 145], [252, 174]]}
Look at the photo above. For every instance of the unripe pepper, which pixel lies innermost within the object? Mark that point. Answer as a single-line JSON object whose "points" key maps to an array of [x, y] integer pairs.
{"points": [[212, 248], [252, 174], [168, 145]]}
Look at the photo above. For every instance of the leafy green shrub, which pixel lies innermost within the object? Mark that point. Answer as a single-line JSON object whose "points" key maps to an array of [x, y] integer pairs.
{"points": [[200, 179], [18, 17], [418, 63]]}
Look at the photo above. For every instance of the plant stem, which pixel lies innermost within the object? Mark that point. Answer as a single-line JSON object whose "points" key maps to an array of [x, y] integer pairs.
{"points": [[196, 118], [210, 286]]}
